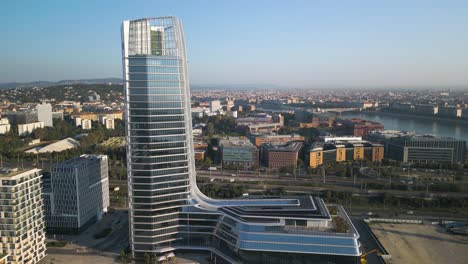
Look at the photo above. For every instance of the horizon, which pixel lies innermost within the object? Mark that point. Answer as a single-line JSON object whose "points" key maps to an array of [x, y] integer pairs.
{"points": [[300, 45], [245, 86]]}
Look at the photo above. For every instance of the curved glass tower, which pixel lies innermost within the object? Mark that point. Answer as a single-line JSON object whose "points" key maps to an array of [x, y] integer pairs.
{"points": [[166, 209]]}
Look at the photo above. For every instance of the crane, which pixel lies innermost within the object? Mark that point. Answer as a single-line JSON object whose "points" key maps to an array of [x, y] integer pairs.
{"points": [[363, 256]]}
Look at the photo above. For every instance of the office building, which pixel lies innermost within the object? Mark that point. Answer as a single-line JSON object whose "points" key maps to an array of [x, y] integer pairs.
{"points": [[76, 193], [44, 114], [26, 129], [22, 229], [360, 128], [383, 136], [167, 211], [261, 138], [344, 150], [238, 153], [23, 117], [262, 127], [425, 149], [278, 156]]}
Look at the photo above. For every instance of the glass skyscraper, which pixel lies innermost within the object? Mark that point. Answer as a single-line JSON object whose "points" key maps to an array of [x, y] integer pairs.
{"points": [[166, 209]]}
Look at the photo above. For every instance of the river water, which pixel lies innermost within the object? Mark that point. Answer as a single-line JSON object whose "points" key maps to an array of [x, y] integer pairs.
{"points": [[420, 125]]}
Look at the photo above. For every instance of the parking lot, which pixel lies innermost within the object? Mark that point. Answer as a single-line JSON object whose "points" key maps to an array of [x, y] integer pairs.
{"points": [[85, 248]]}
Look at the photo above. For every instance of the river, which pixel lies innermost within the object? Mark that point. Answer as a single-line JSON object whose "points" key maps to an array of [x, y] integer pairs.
{"points": [[420, 125]]}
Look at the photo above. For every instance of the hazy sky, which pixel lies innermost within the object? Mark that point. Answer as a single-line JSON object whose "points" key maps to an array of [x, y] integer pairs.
{"points": [[288, 43]]}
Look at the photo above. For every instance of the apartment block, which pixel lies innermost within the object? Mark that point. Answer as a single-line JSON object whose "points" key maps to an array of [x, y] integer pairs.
{"points": [[342, 151], [358, 151], [22, 228], [108, 122], [86, 124], [316, 156], [4, 126], [44, 114], [26, 129]]}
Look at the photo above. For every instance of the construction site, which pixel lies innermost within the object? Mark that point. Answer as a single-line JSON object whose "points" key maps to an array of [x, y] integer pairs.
{"points": [[421, 243]]}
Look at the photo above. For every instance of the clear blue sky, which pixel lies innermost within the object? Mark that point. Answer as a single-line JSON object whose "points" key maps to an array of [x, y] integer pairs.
{"points": [[289, 43]]}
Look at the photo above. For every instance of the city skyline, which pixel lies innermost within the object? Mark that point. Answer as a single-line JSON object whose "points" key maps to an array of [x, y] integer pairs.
{"points": [[329, 44], [284, 150]]}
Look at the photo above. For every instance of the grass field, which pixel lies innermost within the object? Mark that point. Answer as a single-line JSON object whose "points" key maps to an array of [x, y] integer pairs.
{"points": [[114, 142]]}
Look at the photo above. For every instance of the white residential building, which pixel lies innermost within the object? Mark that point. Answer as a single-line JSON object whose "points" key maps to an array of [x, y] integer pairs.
{"points": [[44, 114], [77, 121], [215, 105], [26, 129], [109, 123], [4, 126], [86, 124]]}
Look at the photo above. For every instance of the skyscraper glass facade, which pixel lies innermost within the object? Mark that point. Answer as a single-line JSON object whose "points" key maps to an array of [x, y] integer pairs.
{"points": [[166, 209]]}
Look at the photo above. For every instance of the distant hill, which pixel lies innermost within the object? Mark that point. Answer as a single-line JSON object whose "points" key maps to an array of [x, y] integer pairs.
{"points": [[62, 82], [119, 81], [242, 86]]}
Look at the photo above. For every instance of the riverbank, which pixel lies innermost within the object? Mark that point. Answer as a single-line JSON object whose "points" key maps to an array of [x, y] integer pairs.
{"points": [[409, 116], [454, 128]]}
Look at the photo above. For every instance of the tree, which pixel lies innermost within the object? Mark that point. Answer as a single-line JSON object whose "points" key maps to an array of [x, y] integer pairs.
{"points": [[210, 131], [124, 257], [309, 133], [148, 258]]}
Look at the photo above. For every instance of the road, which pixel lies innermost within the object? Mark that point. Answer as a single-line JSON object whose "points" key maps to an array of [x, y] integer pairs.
{"points": [[92, 250], [368, 241]]}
